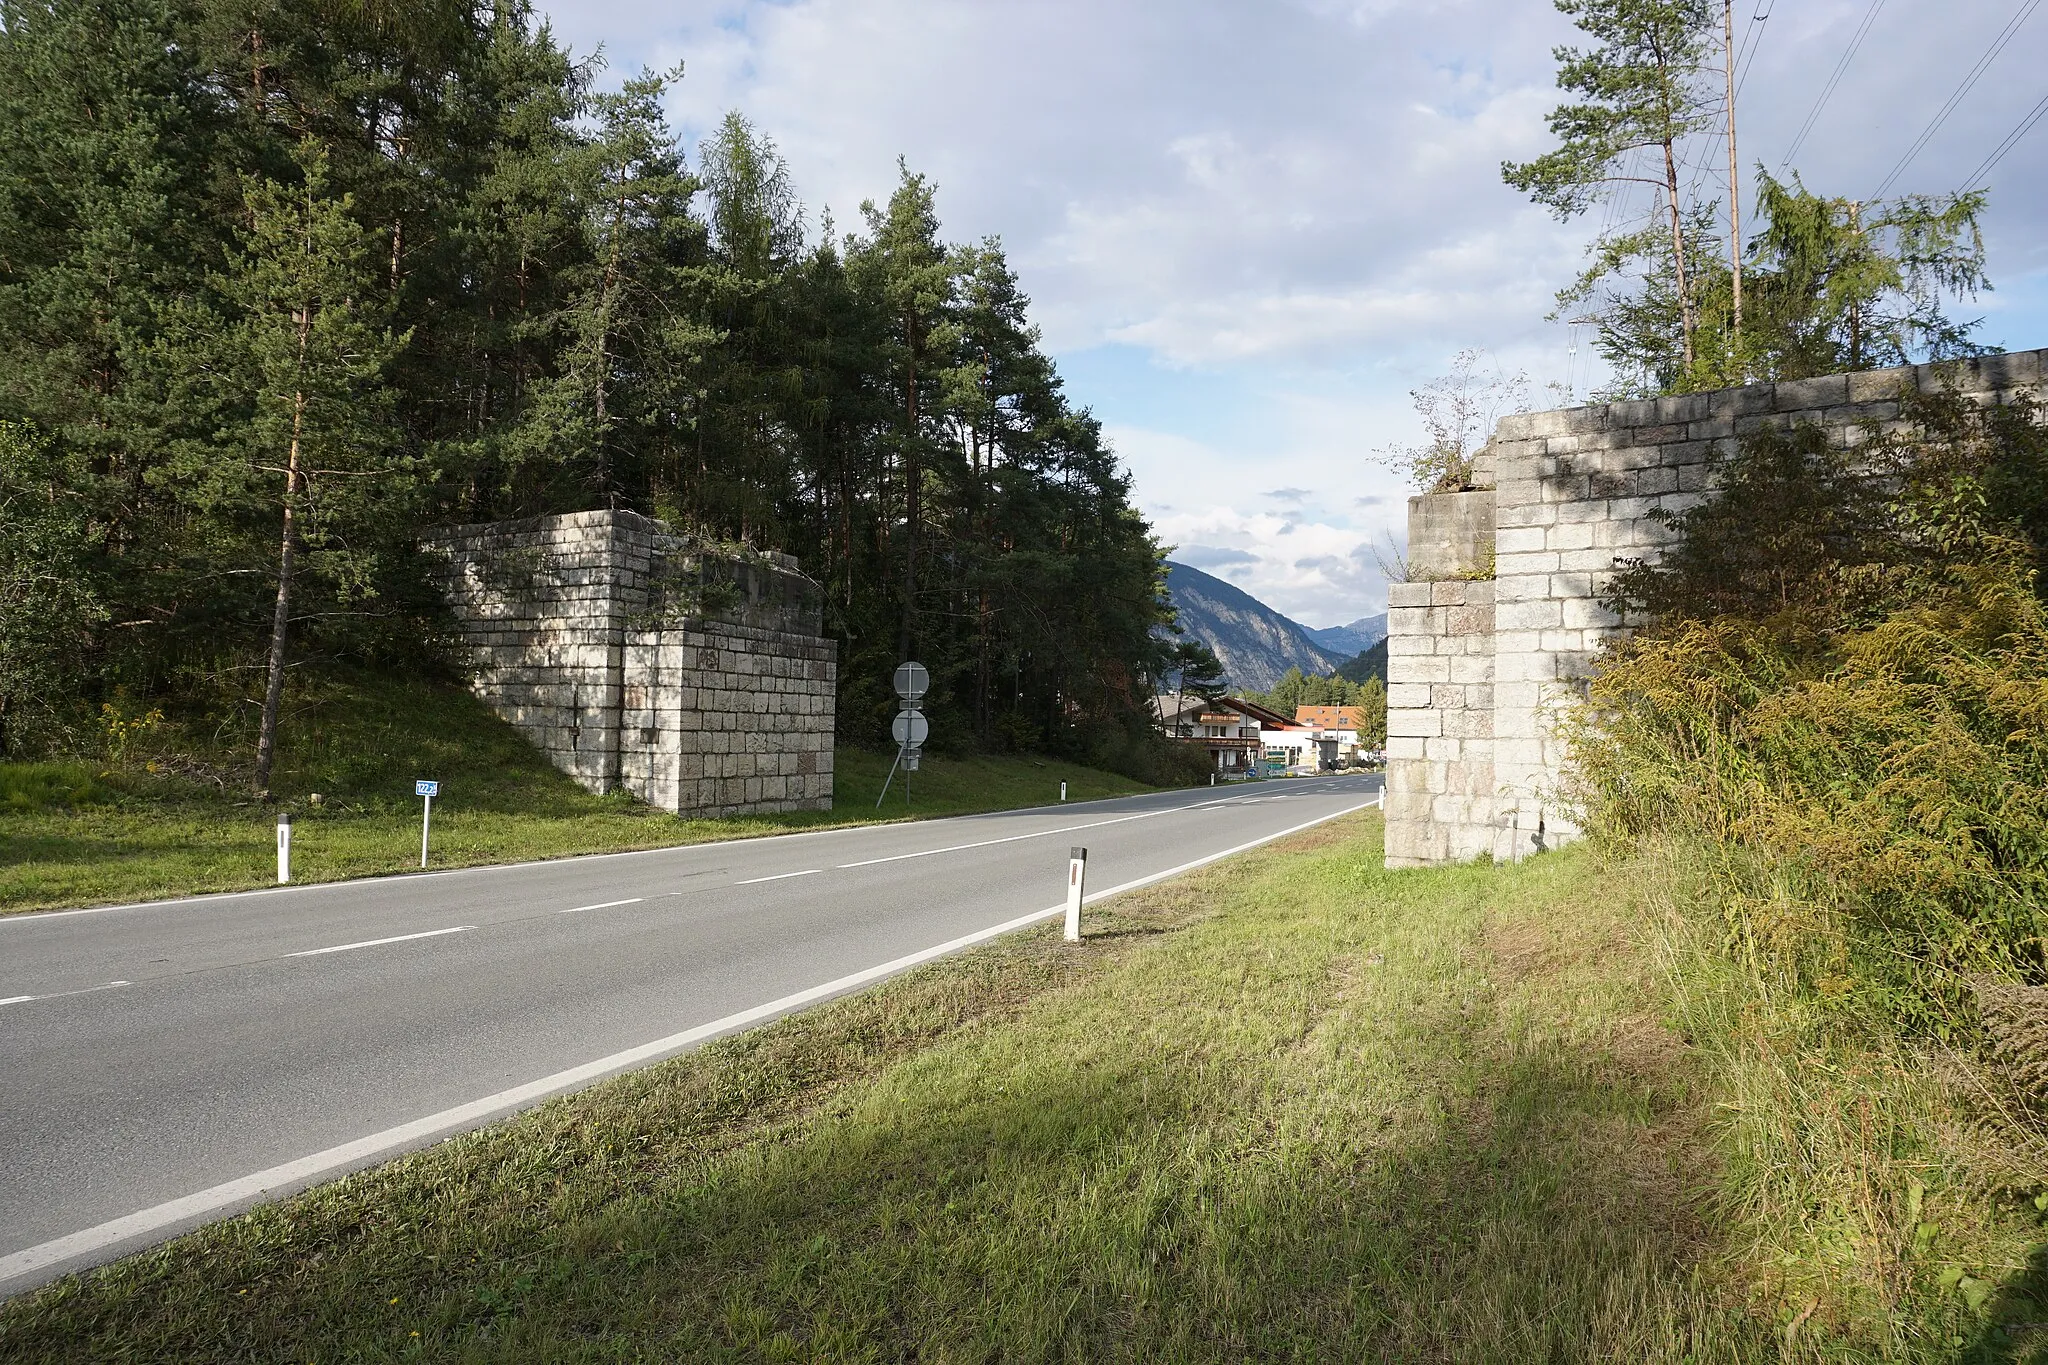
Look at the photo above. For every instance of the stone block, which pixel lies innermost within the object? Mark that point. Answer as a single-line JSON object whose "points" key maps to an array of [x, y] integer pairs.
{"points": [[1533, 615], [1568, 536], [1414, 724], [1408, 595]]}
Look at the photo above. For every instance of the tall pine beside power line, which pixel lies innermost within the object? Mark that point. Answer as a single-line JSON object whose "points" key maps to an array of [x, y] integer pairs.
{"points": [[1640, 89]]}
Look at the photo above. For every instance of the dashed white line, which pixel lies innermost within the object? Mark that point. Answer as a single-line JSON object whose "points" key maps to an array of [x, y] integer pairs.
{"points": [[781, 876], [60, 995], [379, 942], [601, 905]]}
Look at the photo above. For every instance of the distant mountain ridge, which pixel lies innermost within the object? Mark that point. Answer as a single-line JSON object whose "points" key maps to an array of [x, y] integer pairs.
{"points": [[1256, 644], [1351, 640]]}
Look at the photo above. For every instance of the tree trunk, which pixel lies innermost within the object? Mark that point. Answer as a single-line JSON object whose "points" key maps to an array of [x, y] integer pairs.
{"points": [[1670, 117], [1734, 186], [908, 633], [287, 552], [1678, 253]]}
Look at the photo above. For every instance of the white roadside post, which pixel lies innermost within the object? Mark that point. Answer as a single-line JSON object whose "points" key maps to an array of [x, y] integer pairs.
{"points": [[1077, 878], [284, 847], [1063, 791], [426, 791]]}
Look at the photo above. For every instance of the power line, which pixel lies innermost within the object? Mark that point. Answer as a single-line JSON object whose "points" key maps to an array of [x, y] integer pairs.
{"points": [[1834, 80], [2012, 140], [2027, 7], [1746, 51]]}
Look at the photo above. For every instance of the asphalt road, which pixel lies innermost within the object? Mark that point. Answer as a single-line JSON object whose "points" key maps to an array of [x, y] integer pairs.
{"points": [[162, 1065]]}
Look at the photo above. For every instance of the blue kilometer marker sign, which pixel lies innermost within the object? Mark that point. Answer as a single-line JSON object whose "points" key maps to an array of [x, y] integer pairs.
{"points": [[427, 790]]}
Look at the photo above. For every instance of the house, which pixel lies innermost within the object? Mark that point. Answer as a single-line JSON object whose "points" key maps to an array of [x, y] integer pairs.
{"points": [[1344, 723], [1299, 748], [1350, 718], [1231, 728]]}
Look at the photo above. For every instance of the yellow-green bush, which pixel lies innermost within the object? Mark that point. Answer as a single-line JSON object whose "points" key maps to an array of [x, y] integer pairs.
{"points": [[1889, 817], [1861, 747]]}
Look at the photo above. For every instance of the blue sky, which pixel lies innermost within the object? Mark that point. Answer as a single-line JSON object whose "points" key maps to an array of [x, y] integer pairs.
{"points": [[1249, 229]]}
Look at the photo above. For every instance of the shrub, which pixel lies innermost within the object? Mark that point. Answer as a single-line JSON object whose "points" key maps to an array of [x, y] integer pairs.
{"points": [[1844, 690]]}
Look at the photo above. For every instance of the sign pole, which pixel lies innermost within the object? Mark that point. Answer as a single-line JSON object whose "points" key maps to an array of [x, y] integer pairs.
{"points": [[426, 789], [1077, 877], [890, 778]]}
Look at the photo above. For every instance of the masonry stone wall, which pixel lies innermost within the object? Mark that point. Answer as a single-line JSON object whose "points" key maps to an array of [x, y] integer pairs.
{"points": [[1574, 490], [636, 659]]}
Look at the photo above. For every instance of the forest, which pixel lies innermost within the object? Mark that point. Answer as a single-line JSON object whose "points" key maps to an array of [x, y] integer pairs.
{"points": [[281, 285]]}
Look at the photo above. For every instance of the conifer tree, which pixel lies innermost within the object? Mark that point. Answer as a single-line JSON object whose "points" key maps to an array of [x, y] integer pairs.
{"points": [[1640, 96], [317, 347]]}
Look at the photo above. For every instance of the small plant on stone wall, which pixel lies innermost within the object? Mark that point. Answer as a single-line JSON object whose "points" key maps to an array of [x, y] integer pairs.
{"points": [[513, 573], [685, 589], [1458, 412]]}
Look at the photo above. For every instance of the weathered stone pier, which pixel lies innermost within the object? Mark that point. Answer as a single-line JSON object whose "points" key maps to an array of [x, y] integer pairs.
{"points": [[1501, 623], [695, 676]]}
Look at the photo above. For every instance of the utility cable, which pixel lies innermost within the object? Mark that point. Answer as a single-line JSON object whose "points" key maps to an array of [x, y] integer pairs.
{"points": [[2012, 139], [1828, 90], [2026, 9]]}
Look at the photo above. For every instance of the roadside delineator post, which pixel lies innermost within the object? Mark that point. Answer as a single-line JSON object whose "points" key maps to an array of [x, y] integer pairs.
{"points": [[1063, 791], [284, 847], [1077, 877]]}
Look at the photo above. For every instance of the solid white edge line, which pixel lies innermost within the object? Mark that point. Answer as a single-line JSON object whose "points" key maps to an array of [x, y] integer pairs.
{"points": [[16, 999], [350, 1154], [601, 905], [39, 916], [1013, 838], [379, 942]]}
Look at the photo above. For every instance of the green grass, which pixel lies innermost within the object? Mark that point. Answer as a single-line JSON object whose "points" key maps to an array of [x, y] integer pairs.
{"points": [[1293, 1106], [78, 834]]}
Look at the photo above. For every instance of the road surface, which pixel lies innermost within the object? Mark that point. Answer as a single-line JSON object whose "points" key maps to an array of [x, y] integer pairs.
{"points": [[166, 1064]]}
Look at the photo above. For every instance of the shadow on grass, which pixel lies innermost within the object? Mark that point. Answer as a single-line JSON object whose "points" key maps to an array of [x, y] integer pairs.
{"points": [[2014, 1325], [1091, 1210]]}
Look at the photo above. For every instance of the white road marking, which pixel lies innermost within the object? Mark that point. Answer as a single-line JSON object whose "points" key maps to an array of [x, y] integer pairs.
{"points": [[64, 995], [780, 876], [379, 942], [601, 905], [280, 1180], [1040, 834]]}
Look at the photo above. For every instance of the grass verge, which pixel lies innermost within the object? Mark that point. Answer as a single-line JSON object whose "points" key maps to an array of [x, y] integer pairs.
{"points": [[154, 826], [1293, 1106]]}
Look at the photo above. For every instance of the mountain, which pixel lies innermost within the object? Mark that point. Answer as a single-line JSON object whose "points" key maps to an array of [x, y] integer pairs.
{"points": [[1370, 663], [1256, 644], [1352, 640]]}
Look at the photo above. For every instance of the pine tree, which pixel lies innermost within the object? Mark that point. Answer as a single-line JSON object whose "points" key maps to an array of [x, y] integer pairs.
{"points": [[317, 350], [1640, 89]]}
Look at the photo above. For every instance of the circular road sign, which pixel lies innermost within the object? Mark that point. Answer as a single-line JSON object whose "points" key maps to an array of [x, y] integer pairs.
{"points": [[912, 681], [910, 729]]}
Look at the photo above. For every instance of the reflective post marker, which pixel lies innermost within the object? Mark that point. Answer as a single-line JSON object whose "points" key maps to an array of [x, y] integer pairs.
{"points": [[426, 791], [284, 847], [1077, 876], [1063, 791]]}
